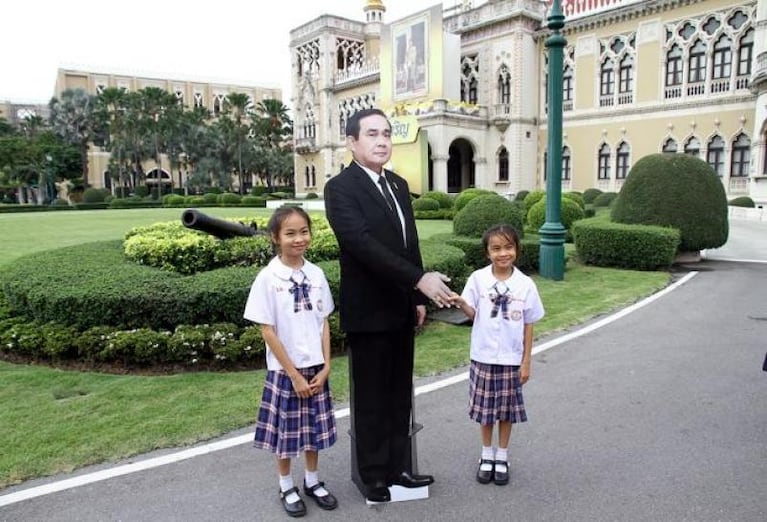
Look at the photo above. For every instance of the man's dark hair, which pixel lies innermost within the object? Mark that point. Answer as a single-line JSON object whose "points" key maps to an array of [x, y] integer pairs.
{"points": [[353, 125]]}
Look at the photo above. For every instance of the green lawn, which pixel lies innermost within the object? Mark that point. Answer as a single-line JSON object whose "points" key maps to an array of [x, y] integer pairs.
{"points": [[62, 420]]}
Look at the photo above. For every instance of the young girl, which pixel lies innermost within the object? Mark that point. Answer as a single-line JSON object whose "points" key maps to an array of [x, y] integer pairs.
{"points": [[503, 303], [291, 300]]}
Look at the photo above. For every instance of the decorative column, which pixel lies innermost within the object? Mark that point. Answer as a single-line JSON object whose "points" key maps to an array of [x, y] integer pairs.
{"points": [[552, 259], [439, 172]]}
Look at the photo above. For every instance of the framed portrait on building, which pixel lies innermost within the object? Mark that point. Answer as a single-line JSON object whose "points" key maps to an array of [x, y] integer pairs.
{"points": [[410, 47]]}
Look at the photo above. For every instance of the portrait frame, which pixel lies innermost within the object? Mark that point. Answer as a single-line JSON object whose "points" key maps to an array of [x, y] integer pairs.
{"points": [[410, 51]]}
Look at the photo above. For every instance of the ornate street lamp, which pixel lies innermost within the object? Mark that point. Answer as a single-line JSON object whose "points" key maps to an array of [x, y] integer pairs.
{"points": [[552, 259]]}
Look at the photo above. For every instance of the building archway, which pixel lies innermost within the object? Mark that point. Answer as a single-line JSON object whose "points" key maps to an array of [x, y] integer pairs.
{"points": [[460, 166], [430, 185], [107, 179], [152, 180]]}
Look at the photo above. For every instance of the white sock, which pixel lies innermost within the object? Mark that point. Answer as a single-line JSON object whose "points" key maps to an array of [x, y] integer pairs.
{"points": [[502, 454], [286, 483], [487, 454], [311, 478]]}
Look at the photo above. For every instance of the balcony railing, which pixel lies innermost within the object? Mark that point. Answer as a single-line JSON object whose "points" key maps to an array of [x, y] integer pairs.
{"points": [[739, 185], [760, 69], [306, 145], [358, 71]]}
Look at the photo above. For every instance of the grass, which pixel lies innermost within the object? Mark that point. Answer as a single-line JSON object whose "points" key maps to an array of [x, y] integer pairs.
{"points": [[63, 420]]}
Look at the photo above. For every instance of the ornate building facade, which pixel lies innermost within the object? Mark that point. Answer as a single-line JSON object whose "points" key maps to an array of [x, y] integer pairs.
{"points": [[190, 92], [640, 77]]}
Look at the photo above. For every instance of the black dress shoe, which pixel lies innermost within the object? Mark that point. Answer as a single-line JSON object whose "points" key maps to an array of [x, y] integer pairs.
{"points": [[325, 502], [407, 480], [378, 492], [294, 509], [501, 478], [484, 477]]}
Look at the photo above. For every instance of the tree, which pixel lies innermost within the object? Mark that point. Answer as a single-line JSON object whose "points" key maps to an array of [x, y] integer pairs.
{"points": [[72, 119]]}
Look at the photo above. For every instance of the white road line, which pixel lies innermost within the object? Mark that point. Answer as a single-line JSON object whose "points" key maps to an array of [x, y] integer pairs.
{"points": [[204, 449]]}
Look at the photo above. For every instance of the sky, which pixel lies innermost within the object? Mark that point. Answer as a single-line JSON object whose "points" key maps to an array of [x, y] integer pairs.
{"points": [[226, 41]]}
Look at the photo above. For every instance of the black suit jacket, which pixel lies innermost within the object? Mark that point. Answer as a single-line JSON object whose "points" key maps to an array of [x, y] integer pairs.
{"points": [[378, 270]]}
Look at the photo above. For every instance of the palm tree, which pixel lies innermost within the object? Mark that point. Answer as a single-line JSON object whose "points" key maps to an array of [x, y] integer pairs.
{"points": [[111, 108], [72, 119], [236, 108], [274, 124]]}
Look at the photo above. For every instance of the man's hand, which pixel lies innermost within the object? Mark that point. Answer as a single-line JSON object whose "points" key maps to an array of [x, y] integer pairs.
{"points": [[420, 314], [432, 285]]}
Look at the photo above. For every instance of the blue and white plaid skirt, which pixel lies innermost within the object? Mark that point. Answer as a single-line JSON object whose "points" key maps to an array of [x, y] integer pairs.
{"points": [[495, 393], [288, 425]]}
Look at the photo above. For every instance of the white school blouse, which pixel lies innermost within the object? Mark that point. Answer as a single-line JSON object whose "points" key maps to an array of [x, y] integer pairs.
{"points": [[270, 302], [498, 340]]}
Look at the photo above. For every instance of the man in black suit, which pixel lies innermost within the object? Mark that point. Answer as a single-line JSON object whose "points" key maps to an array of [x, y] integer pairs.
{"points": [[384, 289]]}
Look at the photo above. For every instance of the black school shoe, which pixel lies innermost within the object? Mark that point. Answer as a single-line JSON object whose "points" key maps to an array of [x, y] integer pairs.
{"points": [[501, 478], [484, 477], [327, 502], [293, 509]]}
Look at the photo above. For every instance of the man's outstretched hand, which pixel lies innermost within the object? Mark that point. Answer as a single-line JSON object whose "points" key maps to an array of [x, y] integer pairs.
{"points": [[432, 285]]}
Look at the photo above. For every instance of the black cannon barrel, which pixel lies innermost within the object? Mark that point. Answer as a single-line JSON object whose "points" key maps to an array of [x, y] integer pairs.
{"points": [[222, 229]]}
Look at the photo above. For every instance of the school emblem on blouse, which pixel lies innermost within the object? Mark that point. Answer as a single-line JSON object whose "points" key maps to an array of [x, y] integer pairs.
{"points": [[319, 305], [516, 315]]}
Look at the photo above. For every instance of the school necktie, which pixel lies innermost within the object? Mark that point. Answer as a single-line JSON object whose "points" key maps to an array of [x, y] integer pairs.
{"points": [[500, 301], [387, 195], [300, 293]]}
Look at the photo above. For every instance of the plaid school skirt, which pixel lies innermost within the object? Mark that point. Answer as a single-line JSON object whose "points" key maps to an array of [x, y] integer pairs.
{"points": [[288, 425], [495, 393]]}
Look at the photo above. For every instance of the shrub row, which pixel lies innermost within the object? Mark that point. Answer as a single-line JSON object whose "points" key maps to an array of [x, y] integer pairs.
{"points": [[171, 246], [637, 247]]}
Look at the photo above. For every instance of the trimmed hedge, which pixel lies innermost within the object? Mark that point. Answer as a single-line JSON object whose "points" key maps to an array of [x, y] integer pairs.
{"points": [[445, 200], [462, 199], [443, 213], [679, 191], [425, 203], [742, 201], [569, 214], [590, 194], [605, 199], [484, 211], [528, 255], [637, 247]]}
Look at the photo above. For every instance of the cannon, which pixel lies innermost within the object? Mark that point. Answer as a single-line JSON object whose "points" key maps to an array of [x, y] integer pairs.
{"points": [[219, 228]]}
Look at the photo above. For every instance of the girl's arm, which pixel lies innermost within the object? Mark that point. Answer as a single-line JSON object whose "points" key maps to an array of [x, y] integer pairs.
{"points": [[318, 380], [300, 385], [461, 303], [527, 355]]}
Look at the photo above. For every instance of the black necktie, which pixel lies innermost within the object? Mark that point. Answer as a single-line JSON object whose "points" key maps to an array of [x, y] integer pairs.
{"points": [[387, 194]]}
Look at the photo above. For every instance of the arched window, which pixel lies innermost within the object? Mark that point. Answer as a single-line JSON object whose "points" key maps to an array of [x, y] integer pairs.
{"points": [[669, 146], [504, 85], [722, 59], [745, 52], [604, 162], [567, 87], [692, 147], [674, 66], [307, 179], [607, 78], [715, 154], [503, 165], [626, 75], [622, 161], [565, 163], [696, 72], [741, 156], [314, 177]]}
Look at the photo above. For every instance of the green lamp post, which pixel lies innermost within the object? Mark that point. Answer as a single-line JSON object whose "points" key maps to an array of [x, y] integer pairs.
{"points": [[552, 259]]}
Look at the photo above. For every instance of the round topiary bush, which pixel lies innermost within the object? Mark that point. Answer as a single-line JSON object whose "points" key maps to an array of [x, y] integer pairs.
{"points": [[521, 195], [742, 201], [94, 195], [679, 191], [312, 195], [229, 198], [424, 203], [467, 195], [487, 210], [444, 199], [605, 199], [575, 196], [590, 194], [533, 197], [570, 213]]}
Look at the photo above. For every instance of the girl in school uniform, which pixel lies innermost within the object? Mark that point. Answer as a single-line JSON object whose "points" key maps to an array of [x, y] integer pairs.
{"points": [[503, 303], [291, 300]]}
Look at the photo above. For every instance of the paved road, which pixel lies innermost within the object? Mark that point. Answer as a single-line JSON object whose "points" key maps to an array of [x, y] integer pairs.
{"points": [[659, 415]]}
